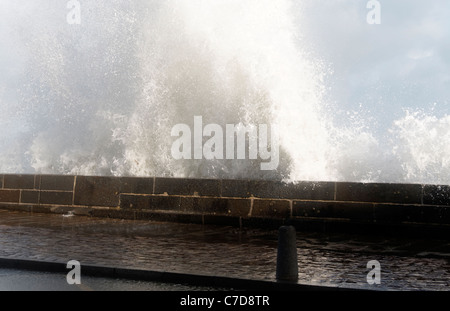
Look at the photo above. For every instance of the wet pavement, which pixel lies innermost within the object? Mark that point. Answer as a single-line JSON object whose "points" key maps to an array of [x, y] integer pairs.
{"points": [[324, 259], [26, 280]]}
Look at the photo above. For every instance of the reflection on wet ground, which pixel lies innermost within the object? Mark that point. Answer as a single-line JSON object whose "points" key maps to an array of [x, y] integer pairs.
{"points": [[25, 280], [328, 259]]}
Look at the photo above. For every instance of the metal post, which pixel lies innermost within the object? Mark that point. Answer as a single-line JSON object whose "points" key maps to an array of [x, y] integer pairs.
{"points": [[287, 263]]}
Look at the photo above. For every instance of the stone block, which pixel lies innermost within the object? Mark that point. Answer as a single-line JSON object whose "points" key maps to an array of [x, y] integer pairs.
{"points": [[308, 190], [235, 188], [138, 185], [57, 182], [9, 196], [247, 188], [265, 188], [389, 213], [271, 208], [436, 195], [56, 197], [280, 190], [29, 196], [314, 209], [217, 206], [426, 214], [379, 192], [19, 182], [97, 191], [187, 186], [392, 213], [329, 209], [149, 202]]}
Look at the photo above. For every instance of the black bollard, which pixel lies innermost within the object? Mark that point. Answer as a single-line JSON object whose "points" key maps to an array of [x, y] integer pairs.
{"points": [[287, 264]]}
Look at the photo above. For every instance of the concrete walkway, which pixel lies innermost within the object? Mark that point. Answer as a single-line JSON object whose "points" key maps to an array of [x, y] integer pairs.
{"points": [[338, 260], [31, 280]]}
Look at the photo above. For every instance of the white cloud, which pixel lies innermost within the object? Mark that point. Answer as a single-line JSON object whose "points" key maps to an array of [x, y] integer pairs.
{"points": [[410, 49]]}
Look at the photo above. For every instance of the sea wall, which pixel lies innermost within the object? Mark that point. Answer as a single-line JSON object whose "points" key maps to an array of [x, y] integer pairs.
{"points": [[323, 206]]}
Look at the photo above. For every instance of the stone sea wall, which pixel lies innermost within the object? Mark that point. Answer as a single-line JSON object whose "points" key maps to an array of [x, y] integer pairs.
{"points": [[322, 206]]}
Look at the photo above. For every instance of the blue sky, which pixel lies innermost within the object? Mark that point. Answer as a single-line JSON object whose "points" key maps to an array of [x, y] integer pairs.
{"points": [[404, 62]]}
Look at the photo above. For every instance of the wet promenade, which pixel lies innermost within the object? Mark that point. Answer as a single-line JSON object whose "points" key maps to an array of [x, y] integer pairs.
{"points": [[334, 259]]}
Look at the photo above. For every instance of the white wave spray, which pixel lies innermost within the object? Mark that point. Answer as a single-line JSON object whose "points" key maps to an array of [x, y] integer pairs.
{"points": [[100, 98]]}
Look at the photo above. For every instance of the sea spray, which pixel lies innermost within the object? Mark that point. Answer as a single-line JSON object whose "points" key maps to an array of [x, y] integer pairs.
{"points": [[101, 97]]}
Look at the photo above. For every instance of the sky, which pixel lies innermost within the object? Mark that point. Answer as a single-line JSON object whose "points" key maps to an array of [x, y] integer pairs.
{"points": [[373, 75], [401, 63]]}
